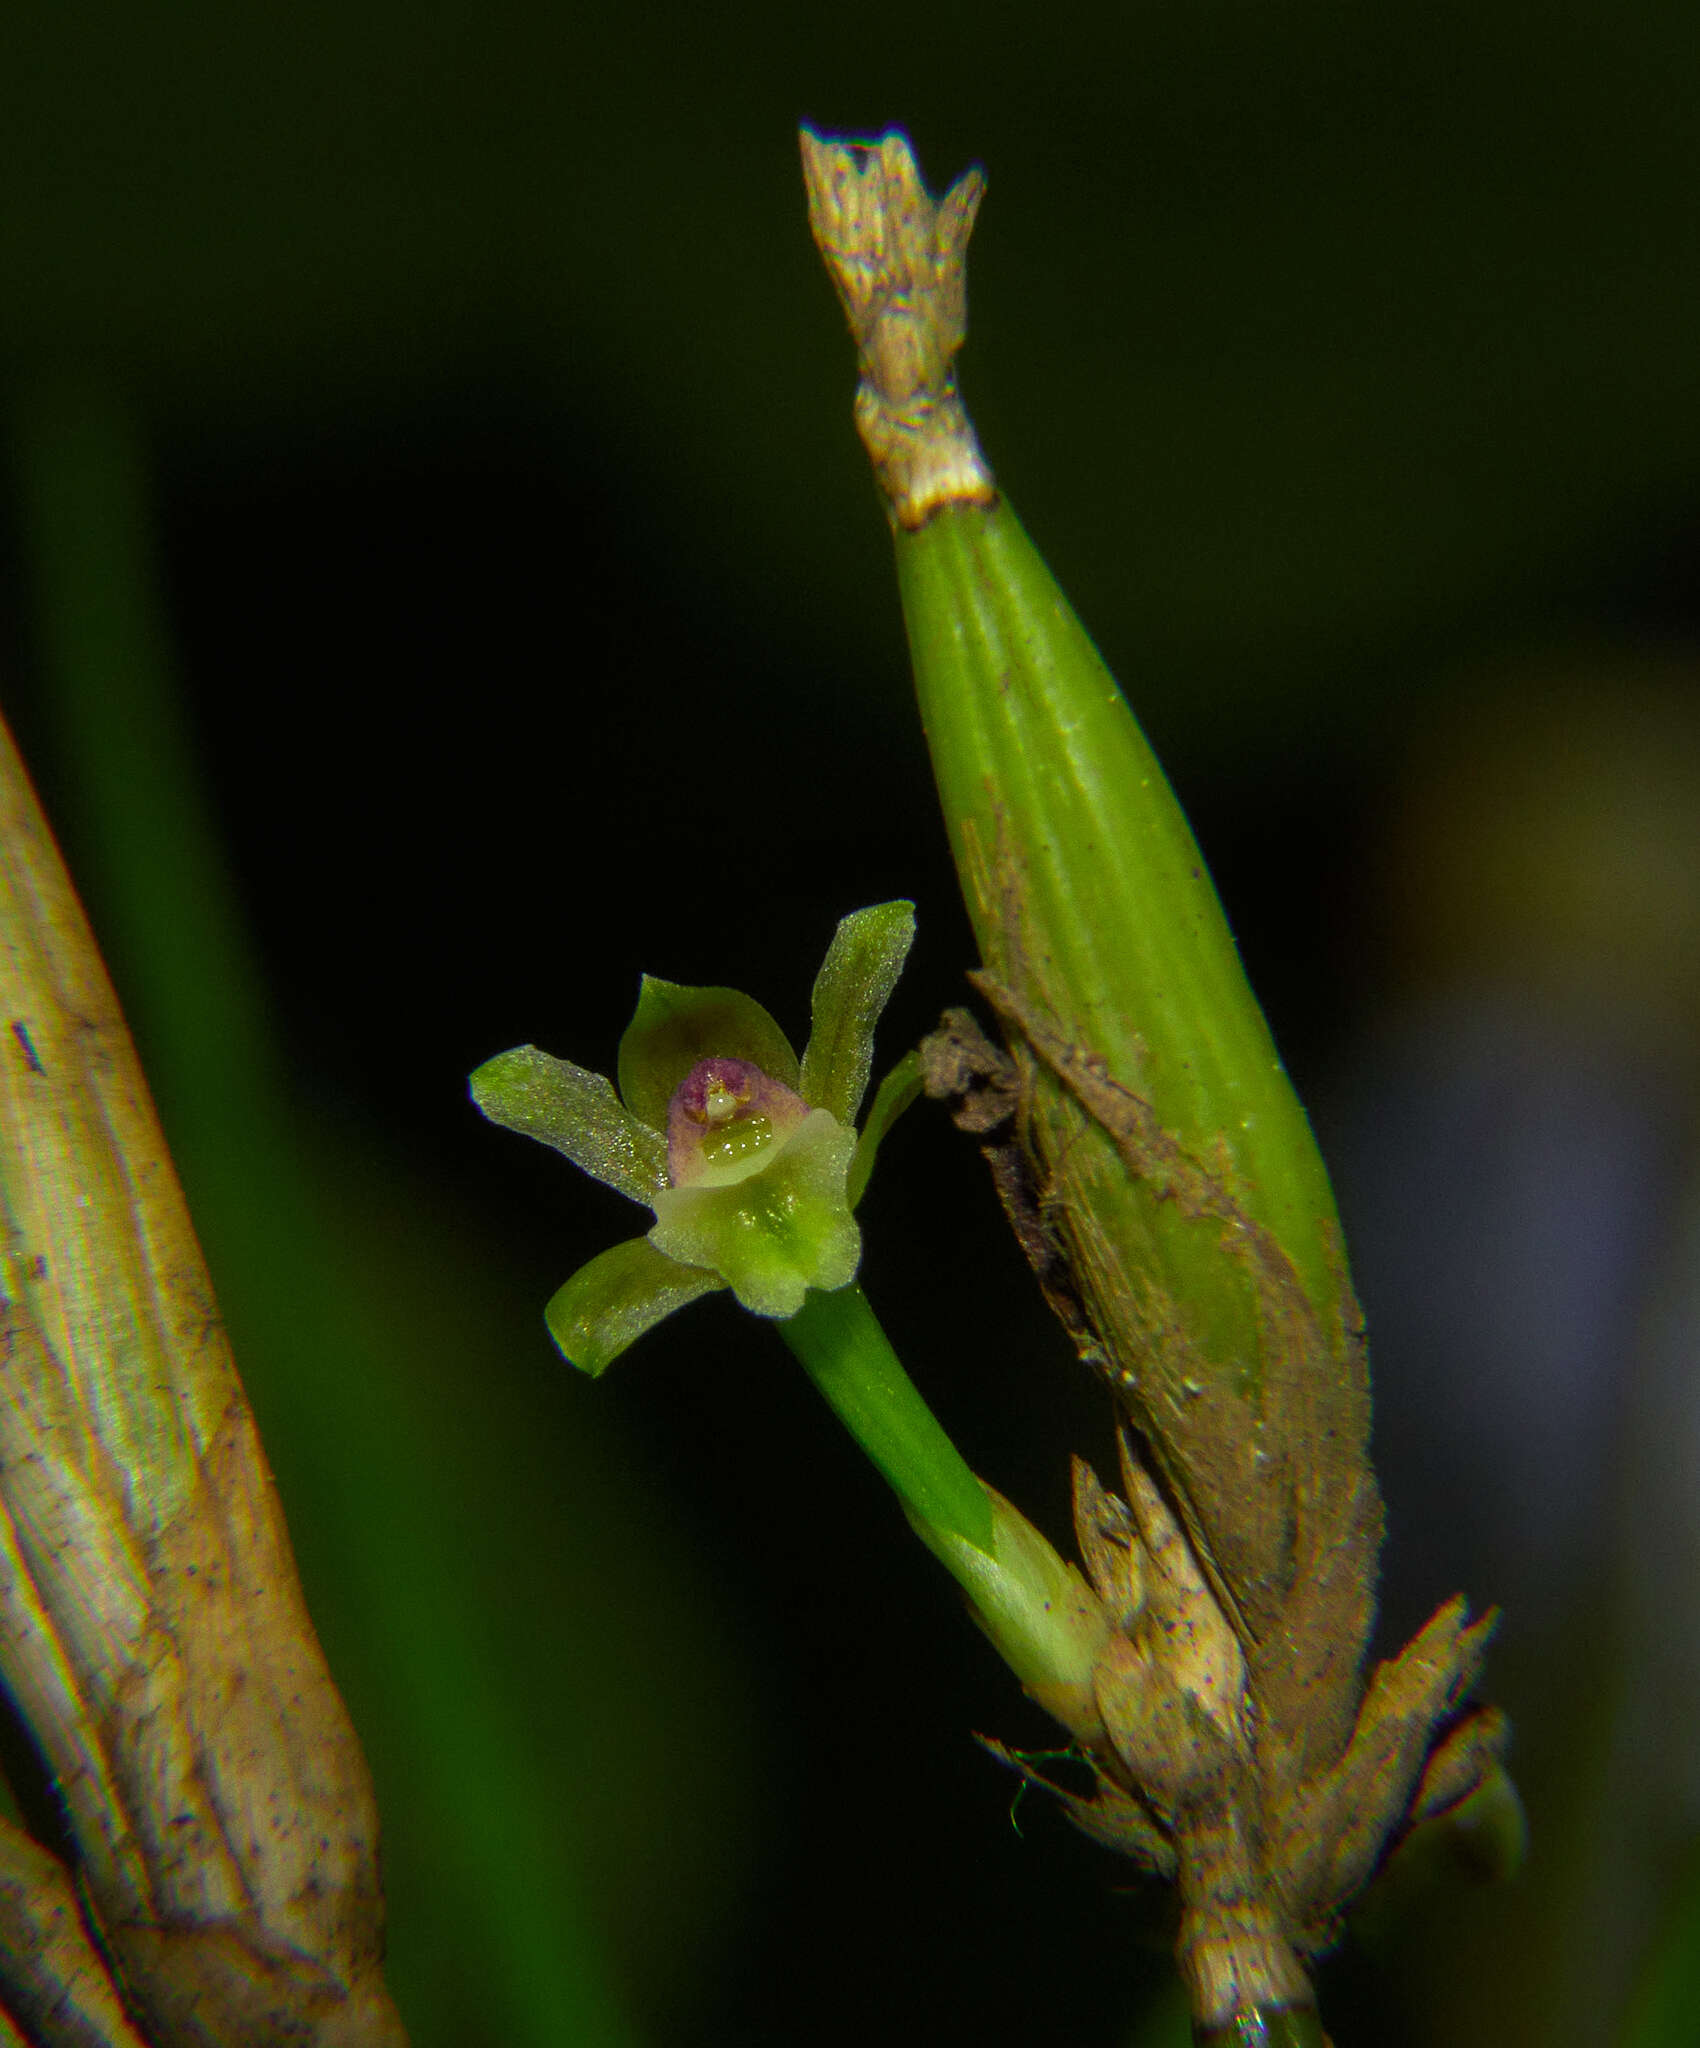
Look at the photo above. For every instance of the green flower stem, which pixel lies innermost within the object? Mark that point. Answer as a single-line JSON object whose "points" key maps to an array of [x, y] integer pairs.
{"points": [[844, 1351], [1038, 1612]]}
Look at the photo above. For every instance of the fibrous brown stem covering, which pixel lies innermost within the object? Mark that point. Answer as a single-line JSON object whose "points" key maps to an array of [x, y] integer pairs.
{"points": [[1243, 1757], [899, 260], [152, 1629]]}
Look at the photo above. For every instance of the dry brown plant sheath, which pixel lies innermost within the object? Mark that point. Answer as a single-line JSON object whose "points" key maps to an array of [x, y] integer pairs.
{"points": [[152, 1630]]}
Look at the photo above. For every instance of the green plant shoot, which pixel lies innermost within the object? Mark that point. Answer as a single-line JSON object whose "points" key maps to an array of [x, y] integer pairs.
{"points": [[1163, 1179]]}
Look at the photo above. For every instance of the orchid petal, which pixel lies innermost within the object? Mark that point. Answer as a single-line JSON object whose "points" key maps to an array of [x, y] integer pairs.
{"points": [[854, 985], [893, 1096]]}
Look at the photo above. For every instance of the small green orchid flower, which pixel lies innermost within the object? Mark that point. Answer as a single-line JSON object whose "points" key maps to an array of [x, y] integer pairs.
{"points": [[747, 1155], [750, 1159]]}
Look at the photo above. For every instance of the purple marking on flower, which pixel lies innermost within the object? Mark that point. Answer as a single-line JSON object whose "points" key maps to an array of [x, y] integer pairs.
{"points": [[724, 1121]]}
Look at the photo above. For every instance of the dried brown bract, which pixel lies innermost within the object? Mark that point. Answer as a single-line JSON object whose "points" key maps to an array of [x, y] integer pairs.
{"points": [[896, 256], [152, 1630], [1245, 1755]]}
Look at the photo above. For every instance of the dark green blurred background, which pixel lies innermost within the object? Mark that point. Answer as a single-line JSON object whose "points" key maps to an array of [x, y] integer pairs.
{"points": [[439, 581]]}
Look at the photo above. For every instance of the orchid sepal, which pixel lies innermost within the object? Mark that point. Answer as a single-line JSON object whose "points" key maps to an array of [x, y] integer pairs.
{"points": [[675, 1026], [900, 1088], [575, 1112], [610, 1302]]}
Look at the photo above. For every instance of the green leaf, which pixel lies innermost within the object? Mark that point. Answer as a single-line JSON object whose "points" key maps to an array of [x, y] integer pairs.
{"points": [[575, 1111], [675, 1026], [893, 1096], [854, 985], [608, 1304]]}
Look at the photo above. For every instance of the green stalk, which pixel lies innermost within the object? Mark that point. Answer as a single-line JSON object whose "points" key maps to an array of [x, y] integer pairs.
{"points": [[844, 1351], [1039, 1613]]}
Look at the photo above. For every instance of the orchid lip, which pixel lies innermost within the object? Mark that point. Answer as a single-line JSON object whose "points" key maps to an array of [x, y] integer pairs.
{"points": [[727, 1120]]}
